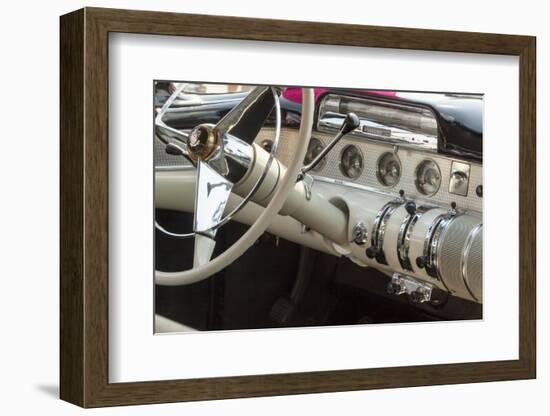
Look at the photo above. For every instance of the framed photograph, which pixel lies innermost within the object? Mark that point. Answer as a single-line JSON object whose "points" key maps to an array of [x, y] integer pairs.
{"points": [[257, 207]]}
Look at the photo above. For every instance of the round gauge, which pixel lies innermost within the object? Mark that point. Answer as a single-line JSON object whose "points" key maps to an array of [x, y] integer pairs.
{"points": [[388, 169], [351, 162], [313, 150], [428, 177]]}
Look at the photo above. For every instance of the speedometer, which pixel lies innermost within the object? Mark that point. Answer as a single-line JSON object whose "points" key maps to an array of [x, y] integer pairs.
{"points": [[428, 177], [351, 162]]}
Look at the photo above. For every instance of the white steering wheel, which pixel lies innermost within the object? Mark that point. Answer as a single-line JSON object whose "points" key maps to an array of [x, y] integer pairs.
{"points": [[216, 151]]}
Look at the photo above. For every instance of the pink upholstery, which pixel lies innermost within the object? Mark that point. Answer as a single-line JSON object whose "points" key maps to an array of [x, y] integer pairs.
{"points": [[295, 94]]}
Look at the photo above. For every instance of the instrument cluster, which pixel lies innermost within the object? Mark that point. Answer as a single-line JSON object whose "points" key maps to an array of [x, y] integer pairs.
{"points": [[427, 177], [392, 168]]}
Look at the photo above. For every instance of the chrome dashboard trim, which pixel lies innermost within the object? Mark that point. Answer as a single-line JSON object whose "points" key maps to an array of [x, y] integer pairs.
{"points": [[379, 224], [404, 237], [333, 181], [428, 241], [390, 122], [403, 260]]}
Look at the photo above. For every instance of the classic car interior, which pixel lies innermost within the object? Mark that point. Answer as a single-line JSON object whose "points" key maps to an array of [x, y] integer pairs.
{"points": [[292, 207]]}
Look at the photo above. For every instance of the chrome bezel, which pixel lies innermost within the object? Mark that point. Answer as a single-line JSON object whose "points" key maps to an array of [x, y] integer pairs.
{"points": [[416, 171], [378, 175], [460, 168], [382, 226], [340, 164], [428, 239]]}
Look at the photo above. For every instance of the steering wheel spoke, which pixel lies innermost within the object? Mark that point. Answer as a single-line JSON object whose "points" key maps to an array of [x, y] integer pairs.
{"points": [[203, 249], [211, 196], [247, 118]]}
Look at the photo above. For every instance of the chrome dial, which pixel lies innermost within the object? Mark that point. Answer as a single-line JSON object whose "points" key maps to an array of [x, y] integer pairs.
{"points": [[428, 177], [351, 162], [388, 169]]}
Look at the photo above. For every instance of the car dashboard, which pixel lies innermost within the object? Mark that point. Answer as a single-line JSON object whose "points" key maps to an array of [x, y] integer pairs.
{"points": [[412, 192]]}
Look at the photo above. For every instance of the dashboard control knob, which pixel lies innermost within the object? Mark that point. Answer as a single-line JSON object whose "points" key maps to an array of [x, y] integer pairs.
{"points": [[479, 190], [422, 261], [410, 207], [377, 254], [394, 288], [351, 122], [381, 257], [371, 252], [360, 234], [417, 297]]}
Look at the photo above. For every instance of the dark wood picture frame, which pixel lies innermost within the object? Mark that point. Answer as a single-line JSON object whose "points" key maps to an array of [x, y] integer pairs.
{"points": [[84, 207]]}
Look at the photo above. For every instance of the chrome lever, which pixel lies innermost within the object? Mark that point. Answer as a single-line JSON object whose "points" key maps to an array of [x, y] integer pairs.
{"points": [[351, 122]]}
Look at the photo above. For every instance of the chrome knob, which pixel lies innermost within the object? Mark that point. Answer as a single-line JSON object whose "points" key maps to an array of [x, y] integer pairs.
{"points": [[376, 253], [360, 234], [371, 252], [410, 207], [394, 288], [351, 122], [418, 296]]}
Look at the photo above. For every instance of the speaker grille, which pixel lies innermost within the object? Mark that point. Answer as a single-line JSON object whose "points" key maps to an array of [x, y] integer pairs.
{"points": [[474, 265], [163, 159], [450, 262]]}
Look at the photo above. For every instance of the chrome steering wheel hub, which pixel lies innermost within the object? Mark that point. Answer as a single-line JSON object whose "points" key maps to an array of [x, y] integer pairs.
{"points": [[202, 142]]}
